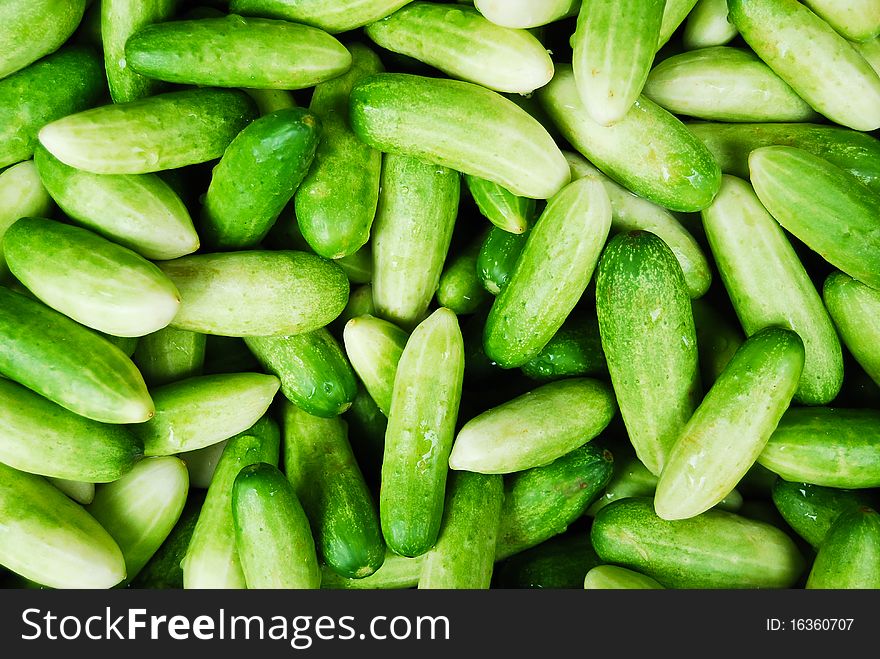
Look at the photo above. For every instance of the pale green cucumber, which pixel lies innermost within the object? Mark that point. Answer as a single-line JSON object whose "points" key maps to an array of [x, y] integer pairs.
{"points": [[858, 20], [614, 577], [707, 25], [500, 206], [169, 355], [849, 556], [855, 309], [79, 491], [397, 572], [674, 14], [334, 17], [202, 463], [21, 195], [870, 50], [718, 338], [526, 14], [460, 288], [35, 28], [550, 275], [374, 347]]}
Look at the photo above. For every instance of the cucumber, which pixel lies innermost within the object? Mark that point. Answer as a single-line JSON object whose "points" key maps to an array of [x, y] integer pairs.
{"points": [[526, 14], [272, 534], [165, 131], [459, 125], [202, 463], [397, 572], [649, 340], [140, 509], [21, 195], [707, 25], [534, 429], [460, 288], [367, 425], [374, 347], [69, 364], [560, 562], [51, 540], [336, 201], [806, 52], [732, 424], [674, 14], [334, 17], [724, 84], [225, 354], [550, 275], [35, 28], [421, 428], [321, 467], [857, 20], [500, 206], [170, 355], [849, 556], [649, 151], [358, 267], [110, 289], [256, 177], [260, 293], [65, 82], [854, 306], [716, 549], [79, 491], [204, 410], [832, 447], [574, 351], [211, 559], [631, 479], [497, 258], [71, 446], [614, 577], [464, 555], [458, 41], [768, 285], [870, 50], [232, 51], [418, 204], [541, 502], [822, 205], [119, 20], [718, 339], [360, 303], [271, 100], [313, 369], [811, 509], [609, 78]]}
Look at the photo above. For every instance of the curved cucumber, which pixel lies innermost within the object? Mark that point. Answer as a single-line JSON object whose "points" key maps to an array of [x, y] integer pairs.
{"points": [[855, 308], [313, 369], [707, 25], [858, 20], [550, 275], [21, 195], [169, 355], [614, 577], [650, 343], [500, 206], [261, 293], [497, 258], [460, 288], [560, 562], [526, 14], [574, 351], [374, 347], [768, 285], [674, 14], [849, 556], [459, 125], [35, 28], [334, 17]]}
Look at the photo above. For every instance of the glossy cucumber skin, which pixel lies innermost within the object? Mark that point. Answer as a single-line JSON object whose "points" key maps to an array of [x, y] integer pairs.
{"points": [[169, 355], [854, 308], [35, 28], [574, 351], [374, 347], [497, 258], [21, 195], [560, 562], [460, 288], [849, 556], [333, 17], [500, 206]]}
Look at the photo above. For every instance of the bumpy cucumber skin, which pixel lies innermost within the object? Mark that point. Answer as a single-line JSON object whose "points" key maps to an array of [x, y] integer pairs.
{"points": [[500, 206], [459, 125], [374, 347], [707, 25], [65, 82], [21, 195], [649, 340], [855, 308], [849, 556], [716, 549], [560, 562], [35, 28], [333, 17], [610, 577], [460, 288], [497, 258], [169, 355]]}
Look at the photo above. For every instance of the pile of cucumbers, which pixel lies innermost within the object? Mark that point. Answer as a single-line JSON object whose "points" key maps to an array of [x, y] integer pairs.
{"points": [[393, 294]]}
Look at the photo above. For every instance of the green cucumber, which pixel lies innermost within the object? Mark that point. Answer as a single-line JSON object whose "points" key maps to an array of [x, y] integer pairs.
{"points": [[211, 559], [68, 81], [336, 201], [464, 555], [256, 177], [271, 100], [718, 339], [534, 429], [140, 509], [574, 351], [649, 151], [170, 355], [526, 14], [35, 28], [707, 25], [418, 204], [120, 19], [272, 534], [68, 363], [459, 125], [858, 20], [70, 446], [201, 463], [204, 410], [768, 285], [256, 293], [460, 288], [334, 17], [826, 446], [421, 428], [614, 577], [822, 205], [21, 195], [232, 51], [806, 52], [649, 340], [360, 303], [849, 556], [110, 288], [560, 562], [716, 549], [80, 491], [500, 206], [610, 78], [497, 258], [358, 266], [550, 275], [463, 44], [732, 424], [50, 539], [165, 131], [541, 502], [674, 14], [366, 429], [870, 50], [724, 84], [374, 347], [855, 308], [313, 369], [397, 572]]}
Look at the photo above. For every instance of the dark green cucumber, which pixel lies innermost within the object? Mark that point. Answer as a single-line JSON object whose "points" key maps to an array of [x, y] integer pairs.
{"points": [[497, 258], [35, 28], [560, 562], [460, 288], [717, 339], [849, 556], [366, 430], [574, 351], [169, 355], [500, 206]]}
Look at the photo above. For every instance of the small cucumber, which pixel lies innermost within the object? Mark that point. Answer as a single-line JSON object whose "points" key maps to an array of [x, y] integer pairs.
{"points": [[421, 429], [374, 347], [497, 258], [272, 534], [550, 275], [718, 338], [418, 204], [21, 195], [500, 206], [716, 549], [358, 266], [460, 288], [459, 125], [574, 351], [649, 340], [855, 308], [170, 355], [826, 446], [79, 491], [674, 14], [360, 303], [397, 572], [560, 562], [334, 17], [165, 131], [526, 14], [822, 205], [256, 293], [870, 50], [367, 425], [35, 28], [202, 463], [858, 20], [707, 25], [614, 577], [271, 100], [849, 556]]}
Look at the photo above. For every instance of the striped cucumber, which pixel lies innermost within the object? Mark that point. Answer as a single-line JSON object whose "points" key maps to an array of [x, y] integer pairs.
{"points": [[21, 195], [574, 351], [526, 14], [374, 347], [35, 28], [500, 206], [849, 556], [170, 355], [707, 25], [614, 577], [857, 20], [497, 258], [460, 288], [334, 17], [854, 308]]}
